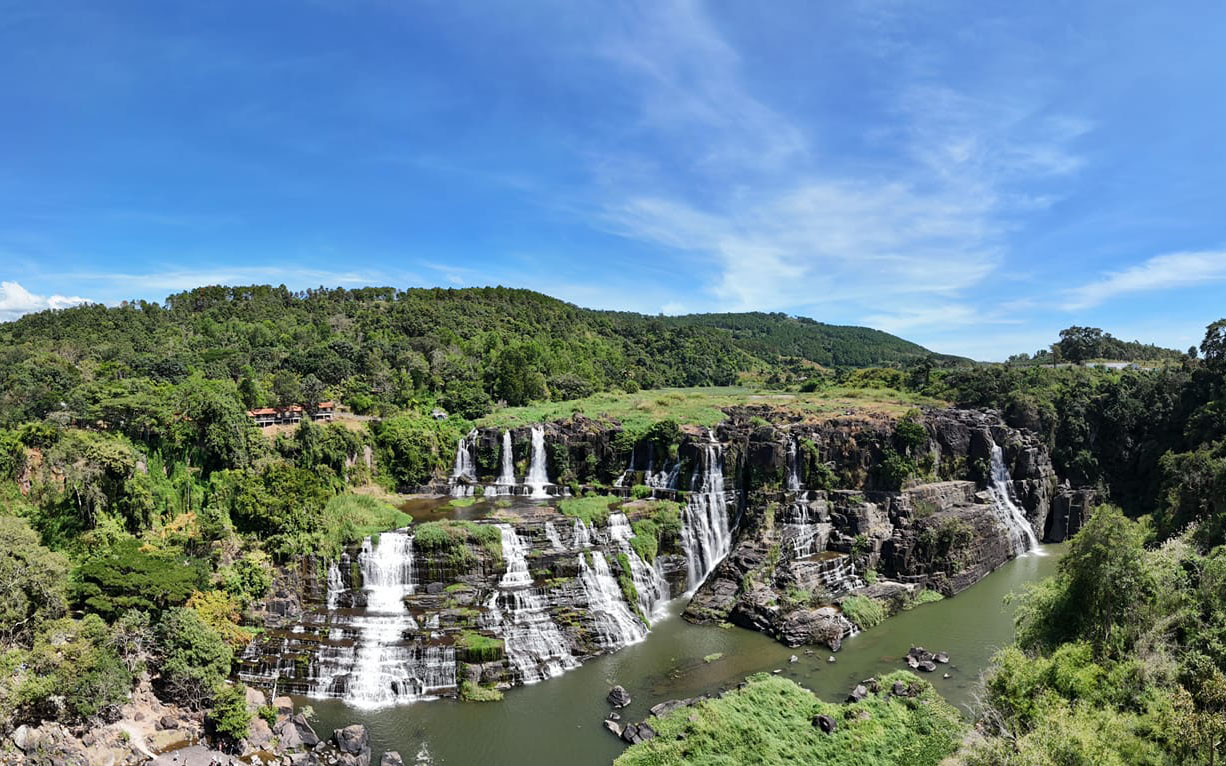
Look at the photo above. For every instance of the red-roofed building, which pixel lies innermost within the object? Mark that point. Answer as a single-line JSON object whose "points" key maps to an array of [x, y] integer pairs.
{"points": [[278, 416]]}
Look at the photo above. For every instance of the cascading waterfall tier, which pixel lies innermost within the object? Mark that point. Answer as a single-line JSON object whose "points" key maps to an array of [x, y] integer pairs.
{"points": [[649, 582], [538, 474], [794, 484], [705, 533], [1022, 538], [616, 626], [381, 665], [506, 478], [464, 472], [532, 641]]}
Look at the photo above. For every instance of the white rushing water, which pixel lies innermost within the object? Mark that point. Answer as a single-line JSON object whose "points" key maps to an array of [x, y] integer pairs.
{"points": [[805, 534], [555, 540], [649, 582], [532, 641], [582, 535], [1021, 534], [335, 584], [538, 474], [616, 626], [381, 666], [705, 534], [794, 484], [464, 468], [506, 477]]}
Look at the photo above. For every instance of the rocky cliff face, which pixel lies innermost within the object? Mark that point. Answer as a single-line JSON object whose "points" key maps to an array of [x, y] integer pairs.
{"points": [[804, 529]]}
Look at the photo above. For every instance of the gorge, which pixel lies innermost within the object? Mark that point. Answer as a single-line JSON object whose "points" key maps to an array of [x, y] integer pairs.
{"points": [[777, 525]]}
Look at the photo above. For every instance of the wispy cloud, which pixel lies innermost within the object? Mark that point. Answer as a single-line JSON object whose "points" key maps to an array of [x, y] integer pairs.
{"points": [[15, 300], [783, 228], [1162, 272]]}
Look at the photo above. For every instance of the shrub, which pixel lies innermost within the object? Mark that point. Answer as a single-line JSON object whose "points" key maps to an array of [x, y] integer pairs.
{"points": [[195, 659], [476, 693], [229, 717], [478, 647], [640, 491]]}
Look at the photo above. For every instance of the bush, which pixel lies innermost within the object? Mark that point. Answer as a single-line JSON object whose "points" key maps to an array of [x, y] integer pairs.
{"points": [[195, 659], [478, 647], [472, 692], [125, 577], [32, 583], [640, 491], [229, 717], [71, 674]]}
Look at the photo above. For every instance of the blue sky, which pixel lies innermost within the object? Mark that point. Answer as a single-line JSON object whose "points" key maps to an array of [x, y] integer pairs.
{"points": [[972, 176]]}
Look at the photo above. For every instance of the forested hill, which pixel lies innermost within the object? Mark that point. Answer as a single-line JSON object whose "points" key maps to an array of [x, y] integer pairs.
{"points": [[384, 346]]}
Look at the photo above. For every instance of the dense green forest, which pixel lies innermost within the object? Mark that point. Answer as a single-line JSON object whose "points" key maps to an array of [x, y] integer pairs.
{"points": [[382, 349], [143, 512]]}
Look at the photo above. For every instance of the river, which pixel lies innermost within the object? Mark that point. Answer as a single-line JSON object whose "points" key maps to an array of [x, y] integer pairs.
{"points": [[559, 721]]}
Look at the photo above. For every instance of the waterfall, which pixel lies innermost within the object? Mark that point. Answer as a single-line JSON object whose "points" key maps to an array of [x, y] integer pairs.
{"points": [[507, 476], [794, 484], [538, 475], [380, 666], [1021, 534], [650, 584], [582, 535], [532, 641], [464, 469], [628, 474], [335, 584], [841, 577], [705, 535], [616, 626], [805, 535], [551, 534]]}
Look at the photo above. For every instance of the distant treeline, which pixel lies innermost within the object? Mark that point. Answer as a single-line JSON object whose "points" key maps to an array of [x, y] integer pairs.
{"points": [[382, 349]]}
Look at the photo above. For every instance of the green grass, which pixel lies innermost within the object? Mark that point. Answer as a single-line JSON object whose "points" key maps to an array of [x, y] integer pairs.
{"points": [[703, 406], [462, 502], [625, 578], [478, 647], [864, 611], [769, 721], [925, 596], [592, 510], [472, 692], [716, 657], [353, 517], [454, 538]]}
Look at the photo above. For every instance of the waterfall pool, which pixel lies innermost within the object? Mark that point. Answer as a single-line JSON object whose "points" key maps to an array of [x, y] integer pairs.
{"points": [[558, 721]]}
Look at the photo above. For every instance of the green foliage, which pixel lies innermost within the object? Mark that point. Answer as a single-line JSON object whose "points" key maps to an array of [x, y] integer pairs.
{"points": [[455, 539], [592, 510], [229, 717], [268, 713], [478, 647], [72, 673], [248, 578], [769, 721], [625, 580], [1102, 593], [714, 657], [414, 448], [194, 658], [864, 611], [640, 491], [894, 469], [472, 692], [32, 583], [126, 576], [924, 596]]}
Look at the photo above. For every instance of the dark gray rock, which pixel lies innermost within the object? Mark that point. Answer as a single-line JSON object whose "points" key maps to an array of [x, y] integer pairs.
{"points": [[352, 739], [618, 697], [306, 734], [824, 722], [391, 759], [613, 726], [857, 693]]}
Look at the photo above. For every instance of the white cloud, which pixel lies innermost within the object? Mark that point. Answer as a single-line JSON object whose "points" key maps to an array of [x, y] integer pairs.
{"points": [[15, 300], [782, 228], [1162, 272]]}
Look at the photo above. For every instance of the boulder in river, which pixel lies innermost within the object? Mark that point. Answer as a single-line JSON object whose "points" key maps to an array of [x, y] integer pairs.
{"points": [[636, 733], [927, 666], [391, 759], [352, 739], [613, 726], [618, 697]]}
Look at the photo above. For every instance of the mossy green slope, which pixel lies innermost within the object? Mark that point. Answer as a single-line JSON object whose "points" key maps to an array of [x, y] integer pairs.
{"points": [[769, 721]]}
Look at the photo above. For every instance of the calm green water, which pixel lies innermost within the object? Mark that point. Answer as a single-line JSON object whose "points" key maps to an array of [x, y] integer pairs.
{"points": [[559, 721]]}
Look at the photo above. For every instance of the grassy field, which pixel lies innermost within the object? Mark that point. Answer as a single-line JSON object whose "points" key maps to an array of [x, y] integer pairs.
{"points": [[703, 406]]}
